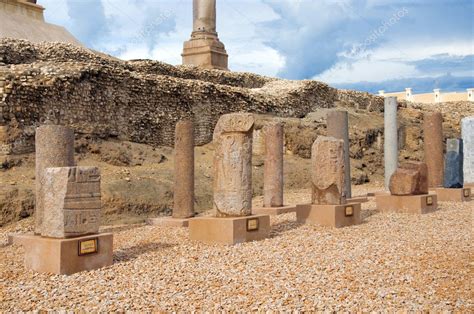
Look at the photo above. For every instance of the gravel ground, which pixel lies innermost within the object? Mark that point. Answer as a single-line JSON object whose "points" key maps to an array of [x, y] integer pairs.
{"points": [[390, 262]]}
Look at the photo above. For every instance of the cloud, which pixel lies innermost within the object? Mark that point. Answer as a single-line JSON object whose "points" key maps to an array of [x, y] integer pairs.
{"points": [[92, 29]]}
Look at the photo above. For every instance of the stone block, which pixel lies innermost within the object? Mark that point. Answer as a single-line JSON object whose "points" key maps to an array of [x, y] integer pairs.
{"points": [[72, 202], [411, 204], [410, 179], [335, 216], [229, 231], [273, 211], [453, 195], [327, 171], [68, 256], [453, 164], [168, 222]]}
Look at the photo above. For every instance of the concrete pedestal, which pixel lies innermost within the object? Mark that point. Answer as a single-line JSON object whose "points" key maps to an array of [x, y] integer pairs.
{"points": [[273, 211], [233, 230], [208, 53], [67, 256], [168, 222], [412, 204], [453, 195], [336, 216]]}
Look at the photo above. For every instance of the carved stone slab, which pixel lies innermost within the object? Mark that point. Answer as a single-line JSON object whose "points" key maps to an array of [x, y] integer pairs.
{"points": [[72, 202]]}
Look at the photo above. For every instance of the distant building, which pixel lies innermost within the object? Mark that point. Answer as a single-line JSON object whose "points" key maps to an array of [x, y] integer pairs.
{"points": [[24, 19], [427, 98]]}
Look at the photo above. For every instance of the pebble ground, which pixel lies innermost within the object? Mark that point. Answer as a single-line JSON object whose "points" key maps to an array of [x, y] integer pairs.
{"points": [[389, 262]]}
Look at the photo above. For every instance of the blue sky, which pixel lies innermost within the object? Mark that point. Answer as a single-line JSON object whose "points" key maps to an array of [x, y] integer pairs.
{"points": [[360, 44]]}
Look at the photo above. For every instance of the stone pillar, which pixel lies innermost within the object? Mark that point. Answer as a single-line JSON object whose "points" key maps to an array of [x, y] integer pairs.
{"points": [[273, 170], [72, 202], [338, 127], [204, 16], [390, 138], [233, 165], [468, 144], [54, 148], [184, 170], [327, 171], [453, 164], [433, 142]]}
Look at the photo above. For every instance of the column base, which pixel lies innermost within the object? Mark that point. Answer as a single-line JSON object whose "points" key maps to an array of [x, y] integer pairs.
{"points": [[411, 204], [168, 222], [273, 211], [67, 256], [453, 195], [335, 216], [229, 231]]}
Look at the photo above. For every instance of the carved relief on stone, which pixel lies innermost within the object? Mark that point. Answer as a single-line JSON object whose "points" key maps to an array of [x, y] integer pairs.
{"points": [[233, 165]]}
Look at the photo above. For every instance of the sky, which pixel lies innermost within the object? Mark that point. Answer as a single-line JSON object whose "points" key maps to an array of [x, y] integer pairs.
{"points": [[367, 45]]}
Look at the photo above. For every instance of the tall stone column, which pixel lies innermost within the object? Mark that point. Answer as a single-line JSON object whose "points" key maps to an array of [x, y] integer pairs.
{"points": [[390, 138], [204, 48], [338, 127], [433, 143], [184, 170], [273, 169], [54, 148], [233, 165], [204, 16], [468, 142], [453, 164]]}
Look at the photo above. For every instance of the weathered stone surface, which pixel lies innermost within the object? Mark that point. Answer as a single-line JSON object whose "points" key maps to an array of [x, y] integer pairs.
{"points": [[410, 179], [468, 144], [233, 165], [273, 169], [338, 127], [184, 170], [327, 167], [453, 164], [54, 148], [72, 202], [433, 142], [390, 138]]}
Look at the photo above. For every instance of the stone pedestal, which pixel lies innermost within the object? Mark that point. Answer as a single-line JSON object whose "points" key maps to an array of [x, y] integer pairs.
{"points": [[273, 211], [390, 138], [453, 195], [412, 204], [433, 144], [358, 199], [168, 222], [67, 256], [335, 216], [229, 231]]}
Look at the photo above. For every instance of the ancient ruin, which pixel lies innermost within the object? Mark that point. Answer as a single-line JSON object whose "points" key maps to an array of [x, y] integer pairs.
{"points": [[434, 146], [390, 138], [204, 48], [468, 144], [54, 148]]}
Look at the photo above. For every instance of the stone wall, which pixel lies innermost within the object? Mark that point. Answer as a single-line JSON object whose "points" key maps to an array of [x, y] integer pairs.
{"points": [[140, 100]]}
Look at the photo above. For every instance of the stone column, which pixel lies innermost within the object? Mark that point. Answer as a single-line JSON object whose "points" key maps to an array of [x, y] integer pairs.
{"points": [[390, 138], [468, 142], [233, 165], [453, 164], [54, 148], [433, 142], [327, 171], [338, 127], [273, 170], [184, 170], [204, 16]]}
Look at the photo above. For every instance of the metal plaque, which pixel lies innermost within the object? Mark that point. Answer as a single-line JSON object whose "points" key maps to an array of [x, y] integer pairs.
{"points": [[349, 211], [87, 247], [429, 200], [467, 192], [252, 224]]}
